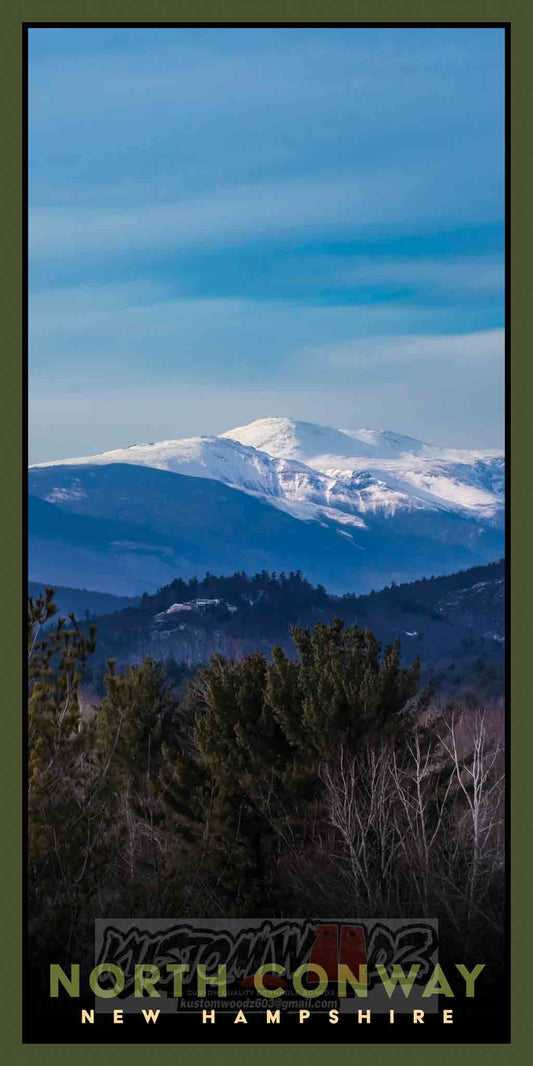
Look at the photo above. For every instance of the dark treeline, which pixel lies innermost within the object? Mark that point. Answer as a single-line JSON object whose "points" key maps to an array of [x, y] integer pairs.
{"points": [[270, 600], [282, 596], [318, 783], [455, 623]]}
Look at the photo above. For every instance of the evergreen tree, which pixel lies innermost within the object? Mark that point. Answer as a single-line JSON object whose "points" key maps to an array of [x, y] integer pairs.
{"points": [[341, 688], [135, 716], [56, 659], [260, 731]]}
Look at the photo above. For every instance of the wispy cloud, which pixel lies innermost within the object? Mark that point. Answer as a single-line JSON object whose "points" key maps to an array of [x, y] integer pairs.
{"points": [[112, 333], [361, 201], [474, 348], [305, 219], [455, 274]]}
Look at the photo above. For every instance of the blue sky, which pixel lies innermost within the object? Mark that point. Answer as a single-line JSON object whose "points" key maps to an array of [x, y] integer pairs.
{"points": [[227, 224]]}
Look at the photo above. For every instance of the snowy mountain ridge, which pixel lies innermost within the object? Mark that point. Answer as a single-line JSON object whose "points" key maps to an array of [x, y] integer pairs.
{"points": [[325, 474]]}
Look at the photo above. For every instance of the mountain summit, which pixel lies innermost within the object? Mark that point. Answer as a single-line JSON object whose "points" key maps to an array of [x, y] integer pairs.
{"points": [[311, 443]]}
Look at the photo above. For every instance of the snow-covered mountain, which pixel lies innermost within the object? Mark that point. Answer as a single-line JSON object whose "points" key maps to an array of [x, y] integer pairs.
{"points": [[353, 509], [401, 472], [318, 473]]}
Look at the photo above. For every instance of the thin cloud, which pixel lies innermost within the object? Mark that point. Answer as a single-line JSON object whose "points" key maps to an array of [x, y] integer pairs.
{"points": [[181, 182], [488, 345], [87, 332], [361, 201], [457, 274]]}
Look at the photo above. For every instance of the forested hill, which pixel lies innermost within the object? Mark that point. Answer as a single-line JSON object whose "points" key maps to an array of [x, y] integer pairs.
{"points": [[455, 623], [83, 602]]}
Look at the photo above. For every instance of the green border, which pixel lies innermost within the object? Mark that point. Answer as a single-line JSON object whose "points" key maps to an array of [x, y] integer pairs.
{"points": [[520, 14]]}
